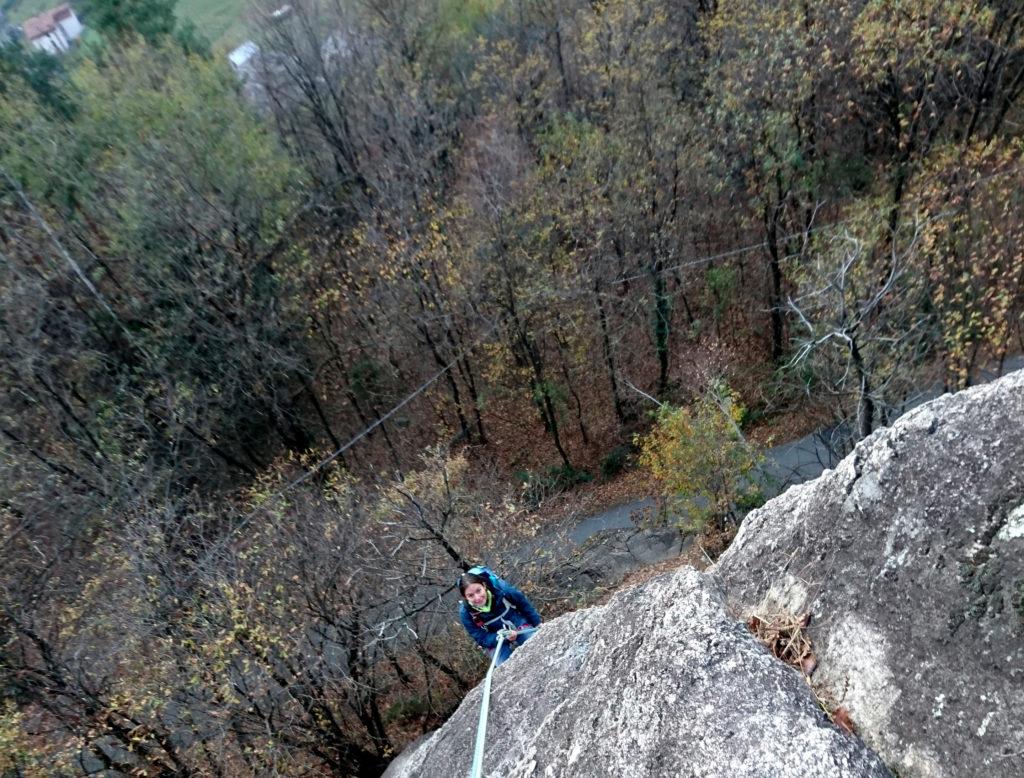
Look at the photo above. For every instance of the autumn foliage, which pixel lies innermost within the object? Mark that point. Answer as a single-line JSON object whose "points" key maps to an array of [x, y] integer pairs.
{"points": [[283, 353]]}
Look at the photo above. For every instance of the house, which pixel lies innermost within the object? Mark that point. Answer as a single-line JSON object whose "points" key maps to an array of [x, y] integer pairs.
{"points": [[249, 68], [53, 31], [252, 66], [281, 13], [242, 59]]}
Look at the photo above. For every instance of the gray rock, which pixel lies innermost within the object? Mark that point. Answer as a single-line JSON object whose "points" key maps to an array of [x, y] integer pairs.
{"points": [[910, 555], [658, 682], [401, 762], [609, 555]]}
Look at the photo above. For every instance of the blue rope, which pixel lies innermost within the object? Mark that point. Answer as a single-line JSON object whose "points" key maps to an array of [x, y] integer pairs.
{"points": [[481, 730]]}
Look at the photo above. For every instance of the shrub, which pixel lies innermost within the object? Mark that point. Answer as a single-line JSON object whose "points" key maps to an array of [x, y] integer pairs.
{"points": [[538, 487], [702, 460], [615, 461]]}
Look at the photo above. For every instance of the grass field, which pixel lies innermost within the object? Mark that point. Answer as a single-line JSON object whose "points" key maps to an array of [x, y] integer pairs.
{"points": [[20, 10], [221, 21]]}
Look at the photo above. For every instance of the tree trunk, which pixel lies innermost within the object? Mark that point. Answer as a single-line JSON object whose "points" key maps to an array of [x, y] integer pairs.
{"points": [[466, 368], [662, 323], [778, 345], [865, 405], [453, 386], [609, 356], [572, 390]]}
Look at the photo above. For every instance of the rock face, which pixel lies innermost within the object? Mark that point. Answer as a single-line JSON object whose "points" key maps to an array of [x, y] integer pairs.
{"points": [[658, 682], [910, 556]]}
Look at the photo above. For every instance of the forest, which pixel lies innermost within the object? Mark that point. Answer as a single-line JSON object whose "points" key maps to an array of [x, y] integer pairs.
{"points": [[283, 354]]}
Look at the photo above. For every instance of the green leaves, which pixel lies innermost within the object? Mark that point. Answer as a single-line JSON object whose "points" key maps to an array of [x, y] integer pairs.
{"points": [[704, 464], [972, 255], [120, 19]]}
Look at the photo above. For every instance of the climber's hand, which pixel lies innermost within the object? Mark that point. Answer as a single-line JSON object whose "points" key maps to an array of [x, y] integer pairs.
{"points": [[511, 636]]}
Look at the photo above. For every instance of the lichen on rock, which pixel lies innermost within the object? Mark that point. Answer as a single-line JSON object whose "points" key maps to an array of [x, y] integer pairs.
{"points": [[911, 554]]}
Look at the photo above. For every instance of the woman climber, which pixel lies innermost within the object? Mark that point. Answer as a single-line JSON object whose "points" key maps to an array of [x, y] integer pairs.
{"points": [[490, 605]]}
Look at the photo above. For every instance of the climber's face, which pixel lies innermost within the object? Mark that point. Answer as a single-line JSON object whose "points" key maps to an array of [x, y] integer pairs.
{"points": [[476, 594]]}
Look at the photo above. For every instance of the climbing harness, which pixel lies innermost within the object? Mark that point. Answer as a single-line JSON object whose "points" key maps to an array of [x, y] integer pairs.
{"points": [[481, 731], [503, 617]]}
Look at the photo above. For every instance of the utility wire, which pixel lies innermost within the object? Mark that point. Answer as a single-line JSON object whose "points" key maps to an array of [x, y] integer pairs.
{"points": [[542, 299]]}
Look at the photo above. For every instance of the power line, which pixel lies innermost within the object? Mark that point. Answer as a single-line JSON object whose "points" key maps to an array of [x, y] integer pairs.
{"points": [[538, 299], [546, 298], [802, 234], [307, 474]]}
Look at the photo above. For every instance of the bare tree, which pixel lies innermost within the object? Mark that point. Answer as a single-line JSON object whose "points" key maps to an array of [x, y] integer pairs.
{"points": [[864, 331]]}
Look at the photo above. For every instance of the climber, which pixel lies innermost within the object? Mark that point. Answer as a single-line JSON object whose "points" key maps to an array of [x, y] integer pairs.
{"points": [[490, 605]]}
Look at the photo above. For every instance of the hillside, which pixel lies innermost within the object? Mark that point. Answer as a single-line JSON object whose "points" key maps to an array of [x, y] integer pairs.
{"points": [[421, 285]]}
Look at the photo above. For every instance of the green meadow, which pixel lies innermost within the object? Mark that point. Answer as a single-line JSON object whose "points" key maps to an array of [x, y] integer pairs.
{"points": [[221, 21]]}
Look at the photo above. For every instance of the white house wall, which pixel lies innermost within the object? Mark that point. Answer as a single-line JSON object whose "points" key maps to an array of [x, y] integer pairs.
{"points": [[53, 42], [71, 26]]}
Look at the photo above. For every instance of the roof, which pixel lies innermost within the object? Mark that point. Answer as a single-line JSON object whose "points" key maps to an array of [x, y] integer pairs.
{"points": [[46, 22], [241, 56]]}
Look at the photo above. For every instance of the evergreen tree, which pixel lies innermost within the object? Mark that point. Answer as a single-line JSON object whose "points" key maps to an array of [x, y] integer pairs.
{"points": [[152, 19], [41, 72]]}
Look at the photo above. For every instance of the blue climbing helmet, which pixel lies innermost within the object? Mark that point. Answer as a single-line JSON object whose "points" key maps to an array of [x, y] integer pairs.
{"points": [[481, 574]]}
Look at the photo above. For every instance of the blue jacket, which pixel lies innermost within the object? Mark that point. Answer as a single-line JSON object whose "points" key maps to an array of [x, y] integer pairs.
{"points": [[510, 610]]}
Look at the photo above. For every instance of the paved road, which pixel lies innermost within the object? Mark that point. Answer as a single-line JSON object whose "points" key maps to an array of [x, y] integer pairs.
{"points": [[786, 464]]}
